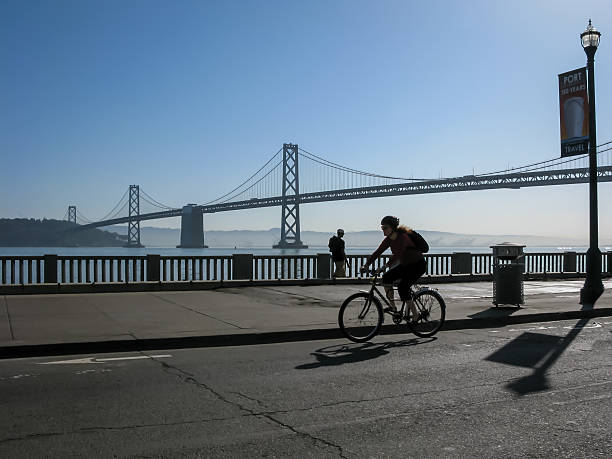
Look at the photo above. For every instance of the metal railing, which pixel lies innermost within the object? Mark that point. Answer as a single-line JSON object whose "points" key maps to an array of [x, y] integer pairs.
{"points": [[284, 266], [544, 263], [183, 268], [16, 270]]}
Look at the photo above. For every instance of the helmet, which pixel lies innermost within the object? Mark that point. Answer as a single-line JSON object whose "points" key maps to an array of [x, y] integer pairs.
{"points": [[340, 231], [391, 221]]}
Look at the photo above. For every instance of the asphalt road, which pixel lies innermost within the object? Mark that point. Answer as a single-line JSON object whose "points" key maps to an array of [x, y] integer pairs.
{"points": [[537, 390]]}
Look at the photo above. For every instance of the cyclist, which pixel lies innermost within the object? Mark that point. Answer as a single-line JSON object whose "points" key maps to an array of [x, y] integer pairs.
{"points": [[407, 263]]}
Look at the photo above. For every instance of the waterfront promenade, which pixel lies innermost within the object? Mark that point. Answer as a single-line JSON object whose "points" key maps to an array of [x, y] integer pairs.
{"points": [[75, 323]]}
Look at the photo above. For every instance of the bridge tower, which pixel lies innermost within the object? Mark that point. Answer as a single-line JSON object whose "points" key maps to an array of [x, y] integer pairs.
{"points": [[290, 218], [72, 214], [192, 228], [133, 239]]}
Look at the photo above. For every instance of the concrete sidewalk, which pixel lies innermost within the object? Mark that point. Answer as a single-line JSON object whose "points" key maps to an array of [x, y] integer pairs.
{"points": [[34, 325]]}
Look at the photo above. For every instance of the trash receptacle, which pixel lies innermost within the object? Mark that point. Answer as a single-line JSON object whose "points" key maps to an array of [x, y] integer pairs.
{"points": [[508, 284], [508, 274]]}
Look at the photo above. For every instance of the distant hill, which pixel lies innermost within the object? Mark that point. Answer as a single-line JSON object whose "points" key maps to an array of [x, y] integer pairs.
{"points": [[170, 237], [23, 232], [28, 232]]}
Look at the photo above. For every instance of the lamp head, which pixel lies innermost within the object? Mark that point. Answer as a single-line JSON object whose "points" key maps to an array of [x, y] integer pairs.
{"points": [[590, 37]]}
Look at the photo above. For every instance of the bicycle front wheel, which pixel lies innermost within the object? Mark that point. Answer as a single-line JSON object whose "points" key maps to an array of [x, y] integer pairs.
{"points": [[432, 311], [360, 317]]}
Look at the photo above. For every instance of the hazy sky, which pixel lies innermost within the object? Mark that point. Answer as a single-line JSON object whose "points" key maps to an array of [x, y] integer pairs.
{"points": [[188, 98]]}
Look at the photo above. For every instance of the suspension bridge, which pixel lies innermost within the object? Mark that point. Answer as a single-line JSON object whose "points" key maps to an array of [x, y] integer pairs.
{"points": [[294, 176]]}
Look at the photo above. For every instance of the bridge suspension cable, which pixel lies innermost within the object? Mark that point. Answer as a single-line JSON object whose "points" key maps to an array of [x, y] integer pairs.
{"points": [[333, 165], [247, 180], [149, 199], [548, 163], [83, 217], [113, 213]]}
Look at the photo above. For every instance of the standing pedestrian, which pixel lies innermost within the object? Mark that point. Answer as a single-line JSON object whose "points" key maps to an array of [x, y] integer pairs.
{"points": [[336, 247]]}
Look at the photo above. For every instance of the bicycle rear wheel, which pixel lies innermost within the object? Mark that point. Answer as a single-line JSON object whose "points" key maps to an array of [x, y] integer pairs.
{"points": [[360, 317], [432, 311]]}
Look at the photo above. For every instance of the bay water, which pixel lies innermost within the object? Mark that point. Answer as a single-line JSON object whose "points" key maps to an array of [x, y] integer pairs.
{"points": [[221, 251]]}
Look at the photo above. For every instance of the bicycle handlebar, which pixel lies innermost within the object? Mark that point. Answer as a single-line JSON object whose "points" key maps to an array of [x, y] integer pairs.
{"points": [[370, 272]]}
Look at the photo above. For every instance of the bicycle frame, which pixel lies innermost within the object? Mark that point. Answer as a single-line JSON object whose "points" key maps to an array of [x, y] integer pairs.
{"points": [[374, 290]]}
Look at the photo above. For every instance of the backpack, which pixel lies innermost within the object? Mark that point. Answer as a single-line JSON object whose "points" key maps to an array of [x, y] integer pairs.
{"points": [[420, 242], [333, 244]]}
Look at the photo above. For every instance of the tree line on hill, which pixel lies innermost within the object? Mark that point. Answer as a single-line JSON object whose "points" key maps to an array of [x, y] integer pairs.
{"points": [[30, 232]]}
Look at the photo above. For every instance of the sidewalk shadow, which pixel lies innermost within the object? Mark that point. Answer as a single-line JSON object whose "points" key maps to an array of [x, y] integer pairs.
{"points": [[539, 351], [352, 353]]}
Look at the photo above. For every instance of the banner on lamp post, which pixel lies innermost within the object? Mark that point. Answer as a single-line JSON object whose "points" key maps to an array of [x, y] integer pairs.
{"points": [[574, 111]]}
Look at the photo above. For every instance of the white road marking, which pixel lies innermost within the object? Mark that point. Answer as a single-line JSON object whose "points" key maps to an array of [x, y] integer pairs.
{"points": [[595, 325], [569, 327], [532, 328], [110, 359]]}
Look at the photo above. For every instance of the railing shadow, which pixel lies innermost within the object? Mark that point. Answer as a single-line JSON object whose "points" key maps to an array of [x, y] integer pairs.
{"points": [[539, 351], [353, 353]]}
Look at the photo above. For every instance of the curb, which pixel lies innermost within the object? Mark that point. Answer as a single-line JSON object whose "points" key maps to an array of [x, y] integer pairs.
{"points": [[244, 339], [161, 286]]}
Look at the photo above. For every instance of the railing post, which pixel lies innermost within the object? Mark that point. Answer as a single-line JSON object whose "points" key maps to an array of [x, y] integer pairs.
{"points": [[569, 262], [50, 269], [153, 267], [461, 263], [323, 266], [609, 258], [242, 266]]}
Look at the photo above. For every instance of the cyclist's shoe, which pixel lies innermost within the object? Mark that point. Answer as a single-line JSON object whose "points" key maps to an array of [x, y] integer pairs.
{"points": [[414, 320], [391, 309]]}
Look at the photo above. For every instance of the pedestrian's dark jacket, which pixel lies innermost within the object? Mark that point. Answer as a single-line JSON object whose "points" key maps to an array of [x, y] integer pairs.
{"points": [[336, 247]]}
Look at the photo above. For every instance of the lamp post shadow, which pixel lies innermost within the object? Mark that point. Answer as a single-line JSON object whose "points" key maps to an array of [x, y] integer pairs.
{"points": [[539, 351]]}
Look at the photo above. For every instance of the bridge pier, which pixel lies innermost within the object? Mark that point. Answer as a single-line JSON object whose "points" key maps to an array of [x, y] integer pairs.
{"points": [[290, 217], [192, 228]]}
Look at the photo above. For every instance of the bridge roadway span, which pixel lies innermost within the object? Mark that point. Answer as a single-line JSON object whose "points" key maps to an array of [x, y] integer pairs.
{"points": [[446, 185]]}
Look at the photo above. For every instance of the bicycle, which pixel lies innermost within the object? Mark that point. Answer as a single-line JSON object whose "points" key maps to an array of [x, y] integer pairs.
{"points": [[361, 314]]}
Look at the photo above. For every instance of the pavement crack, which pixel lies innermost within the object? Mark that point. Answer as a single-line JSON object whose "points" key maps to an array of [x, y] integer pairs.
{"points": [[35, 436], [259, 402], [432, 392], [8, 315], [190, 378], [85, 430], [197, 312], [315, 440], [297, 295]]}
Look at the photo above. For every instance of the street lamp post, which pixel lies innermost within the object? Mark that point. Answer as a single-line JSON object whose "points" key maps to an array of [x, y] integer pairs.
{"points": [[593, 286]]}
